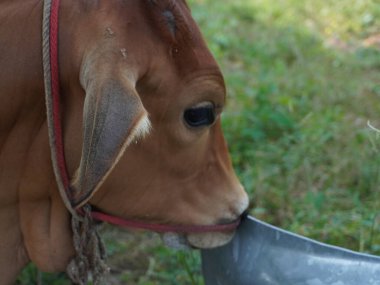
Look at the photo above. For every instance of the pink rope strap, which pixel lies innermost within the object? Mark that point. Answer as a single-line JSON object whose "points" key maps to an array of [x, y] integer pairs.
{"points": [[52, 98], [160, 228], [56, 95]]}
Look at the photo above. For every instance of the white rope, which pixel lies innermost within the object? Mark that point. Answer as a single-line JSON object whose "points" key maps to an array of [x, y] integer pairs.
{"points": [[89, 248], [49, 103]]}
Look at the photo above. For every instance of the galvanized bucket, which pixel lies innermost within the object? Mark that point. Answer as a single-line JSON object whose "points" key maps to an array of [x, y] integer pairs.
{"points": [[261, 254]]}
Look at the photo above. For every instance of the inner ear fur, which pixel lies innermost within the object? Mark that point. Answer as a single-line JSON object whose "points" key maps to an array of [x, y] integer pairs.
{"points": [[113, 116]]}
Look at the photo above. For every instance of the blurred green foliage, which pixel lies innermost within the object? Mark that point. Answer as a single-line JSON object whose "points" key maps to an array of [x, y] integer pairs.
{"points": [[303, 80]]}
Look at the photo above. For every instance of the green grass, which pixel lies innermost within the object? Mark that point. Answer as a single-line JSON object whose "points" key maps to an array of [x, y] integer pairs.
{"points": [[302, 84], [302, 87]]}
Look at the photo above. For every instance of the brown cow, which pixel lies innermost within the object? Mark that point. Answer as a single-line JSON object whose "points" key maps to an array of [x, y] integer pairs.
{"points": [[146, 57]]}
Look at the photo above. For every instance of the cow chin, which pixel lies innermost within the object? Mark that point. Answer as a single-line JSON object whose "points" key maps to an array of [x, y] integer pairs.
{"points": [[176, 241], [197, 241], [209, 240]]}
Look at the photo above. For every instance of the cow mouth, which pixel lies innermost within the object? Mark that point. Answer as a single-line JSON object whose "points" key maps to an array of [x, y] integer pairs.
{"points": [[202, 237], [197, 240]]}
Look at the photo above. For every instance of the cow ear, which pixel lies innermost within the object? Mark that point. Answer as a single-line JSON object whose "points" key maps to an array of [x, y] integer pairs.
{"points": [[113, 117]]}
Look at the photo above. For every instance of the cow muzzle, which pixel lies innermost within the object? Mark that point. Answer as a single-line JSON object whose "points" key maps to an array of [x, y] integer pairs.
{"points": [[204, 240]]}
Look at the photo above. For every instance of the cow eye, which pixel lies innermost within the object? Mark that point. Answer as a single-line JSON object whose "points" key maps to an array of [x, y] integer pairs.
{"points": [[201, 115]]}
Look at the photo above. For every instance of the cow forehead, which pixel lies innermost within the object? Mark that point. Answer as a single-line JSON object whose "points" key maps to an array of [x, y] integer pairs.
{"points": [[164, 28], [171, 17], [173, 21]]}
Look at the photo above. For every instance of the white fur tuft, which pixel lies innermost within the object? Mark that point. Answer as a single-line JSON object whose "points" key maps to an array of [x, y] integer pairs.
{"points": [[141, 130]]}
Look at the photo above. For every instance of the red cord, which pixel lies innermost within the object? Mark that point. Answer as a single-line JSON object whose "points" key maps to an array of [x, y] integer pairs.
{"points": [[160, 228], [54, 67]]}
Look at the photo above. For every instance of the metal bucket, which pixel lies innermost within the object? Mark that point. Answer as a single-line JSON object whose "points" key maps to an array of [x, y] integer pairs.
{"points": [[261, 254]]}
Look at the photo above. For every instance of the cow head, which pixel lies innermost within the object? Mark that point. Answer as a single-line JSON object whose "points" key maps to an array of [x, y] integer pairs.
{"points": [[139, 78]]}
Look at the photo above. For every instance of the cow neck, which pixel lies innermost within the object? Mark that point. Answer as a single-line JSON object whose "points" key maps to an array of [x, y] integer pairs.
{"points": [[53, 107]]}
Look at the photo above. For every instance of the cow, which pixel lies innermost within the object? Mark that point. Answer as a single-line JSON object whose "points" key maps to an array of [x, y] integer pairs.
{"points": [[143, 59]]}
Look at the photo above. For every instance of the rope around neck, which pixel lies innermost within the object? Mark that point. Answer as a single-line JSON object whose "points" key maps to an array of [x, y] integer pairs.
{"points": [[53, 110], [89, 248]]}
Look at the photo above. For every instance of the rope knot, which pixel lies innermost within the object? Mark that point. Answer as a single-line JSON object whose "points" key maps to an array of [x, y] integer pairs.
{"points": [[90, 251]]}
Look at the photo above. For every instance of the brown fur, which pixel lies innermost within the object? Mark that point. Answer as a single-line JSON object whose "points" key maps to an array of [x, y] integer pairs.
{"points": [[174, 175]]}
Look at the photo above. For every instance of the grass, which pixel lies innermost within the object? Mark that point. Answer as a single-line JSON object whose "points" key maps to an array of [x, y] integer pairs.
{"points": [[302, 87], [303, 81]]}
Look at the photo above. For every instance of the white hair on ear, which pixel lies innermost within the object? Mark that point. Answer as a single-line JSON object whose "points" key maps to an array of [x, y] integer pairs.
{"points": [[141, 129]]}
